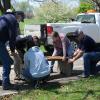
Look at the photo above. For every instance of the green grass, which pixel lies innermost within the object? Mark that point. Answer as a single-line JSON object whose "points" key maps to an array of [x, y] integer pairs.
{"points": [[83, 89]]}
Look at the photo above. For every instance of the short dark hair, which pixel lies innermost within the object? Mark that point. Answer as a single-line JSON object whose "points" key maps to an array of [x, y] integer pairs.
{"points": [[55, 34], [30, 43], [36, 41], [20, 13], [77, 32]]}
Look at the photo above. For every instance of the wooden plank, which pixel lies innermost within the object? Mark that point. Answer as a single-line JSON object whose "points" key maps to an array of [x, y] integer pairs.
{"points": [[51, 58], [63, 67]]}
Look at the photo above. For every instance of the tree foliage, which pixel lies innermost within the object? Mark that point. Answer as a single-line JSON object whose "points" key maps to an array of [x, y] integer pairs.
{"points": [[4, 5], [53, 12], [24, 6], [95, 3], [84, 7]]}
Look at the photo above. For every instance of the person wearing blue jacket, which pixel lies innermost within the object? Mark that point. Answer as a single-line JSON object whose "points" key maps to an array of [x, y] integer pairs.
{"points": [[8, 32], [36, 65]]}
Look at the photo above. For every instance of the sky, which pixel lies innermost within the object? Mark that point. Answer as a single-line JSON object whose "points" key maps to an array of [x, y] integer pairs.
{"points": [[72, 3]]}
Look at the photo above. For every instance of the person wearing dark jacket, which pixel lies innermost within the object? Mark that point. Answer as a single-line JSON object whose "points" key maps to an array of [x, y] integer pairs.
{"points": [[8, 32], [91, 54], [21, 47]]}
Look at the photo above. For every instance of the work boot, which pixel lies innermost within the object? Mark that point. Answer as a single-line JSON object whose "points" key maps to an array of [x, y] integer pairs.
{"points": [[83, 76], [10, 87], [0, 82]]}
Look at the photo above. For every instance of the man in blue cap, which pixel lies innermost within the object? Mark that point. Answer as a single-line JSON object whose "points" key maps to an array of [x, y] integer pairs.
{"points": [[8, 32]]}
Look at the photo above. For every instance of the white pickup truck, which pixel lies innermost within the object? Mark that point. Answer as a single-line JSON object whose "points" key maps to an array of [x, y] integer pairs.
{"points": [[88, 22]]}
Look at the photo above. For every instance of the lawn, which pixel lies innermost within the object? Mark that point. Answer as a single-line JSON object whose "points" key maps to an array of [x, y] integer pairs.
{"points": [[83, 89]]}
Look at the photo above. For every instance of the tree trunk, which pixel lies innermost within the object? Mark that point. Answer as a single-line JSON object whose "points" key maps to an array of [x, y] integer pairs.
{"points": [[6, 4], [97, 2]]}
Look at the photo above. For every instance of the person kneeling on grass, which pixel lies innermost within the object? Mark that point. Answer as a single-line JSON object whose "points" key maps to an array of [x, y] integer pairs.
{"points": [[35, 65], [90, 52]]}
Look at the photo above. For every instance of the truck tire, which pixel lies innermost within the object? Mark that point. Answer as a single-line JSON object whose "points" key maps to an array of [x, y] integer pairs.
{"points": [[74, 44]]}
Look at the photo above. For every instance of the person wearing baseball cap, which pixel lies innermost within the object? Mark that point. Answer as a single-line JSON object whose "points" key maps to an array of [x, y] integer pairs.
{"points": [[8, 33], [86, 48]]}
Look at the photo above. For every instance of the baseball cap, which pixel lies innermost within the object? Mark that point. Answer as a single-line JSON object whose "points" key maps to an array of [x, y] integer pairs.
{"points": [[9, 10], [77, 32]]}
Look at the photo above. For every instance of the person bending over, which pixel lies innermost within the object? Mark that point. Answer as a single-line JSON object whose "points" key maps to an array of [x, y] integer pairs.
{"points": [[88, 49], [62, 47], [35, 64]]}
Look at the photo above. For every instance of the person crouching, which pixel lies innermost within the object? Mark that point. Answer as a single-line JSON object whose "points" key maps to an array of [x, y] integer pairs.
{"points": [[36, 66]]}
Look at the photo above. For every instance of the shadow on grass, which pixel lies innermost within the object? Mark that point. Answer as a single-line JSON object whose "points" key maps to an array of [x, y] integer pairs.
{"points": [[50, 84], [58, 76], [65, 93], [31, 86]]}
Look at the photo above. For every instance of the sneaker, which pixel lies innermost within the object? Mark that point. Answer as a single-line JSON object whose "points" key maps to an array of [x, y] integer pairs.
{"points": [[83, 76], [0, 82]]}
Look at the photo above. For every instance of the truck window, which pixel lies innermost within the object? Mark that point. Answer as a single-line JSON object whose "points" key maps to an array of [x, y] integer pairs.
{"points": [[86, 18]]}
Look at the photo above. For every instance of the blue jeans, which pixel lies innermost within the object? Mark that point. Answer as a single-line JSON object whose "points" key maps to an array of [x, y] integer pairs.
{"points": [[90, 61], [6, 61]]}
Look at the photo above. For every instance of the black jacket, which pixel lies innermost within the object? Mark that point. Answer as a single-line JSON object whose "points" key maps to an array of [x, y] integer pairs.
{"points": [[8, 29]]}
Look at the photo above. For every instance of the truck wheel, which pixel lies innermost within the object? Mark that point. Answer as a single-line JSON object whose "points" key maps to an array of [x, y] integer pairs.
{"points": [[74, 45]]}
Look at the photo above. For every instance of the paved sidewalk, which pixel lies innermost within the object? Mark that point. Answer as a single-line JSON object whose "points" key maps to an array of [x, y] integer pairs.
{"points": [[7, 92], [55, 77]]}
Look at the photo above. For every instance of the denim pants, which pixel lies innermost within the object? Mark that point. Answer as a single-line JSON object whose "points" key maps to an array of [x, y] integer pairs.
{"points": [[90, 61], [6, 61]]}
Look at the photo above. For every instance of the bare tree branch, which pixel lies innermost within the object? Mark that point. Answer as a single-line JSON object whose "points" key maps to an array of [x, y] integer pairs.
{"points": [[1, 8], [54, 1], [97, 2], [88, 1], [38, 0], [15, 1], [6, 4], [44, 0]]}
